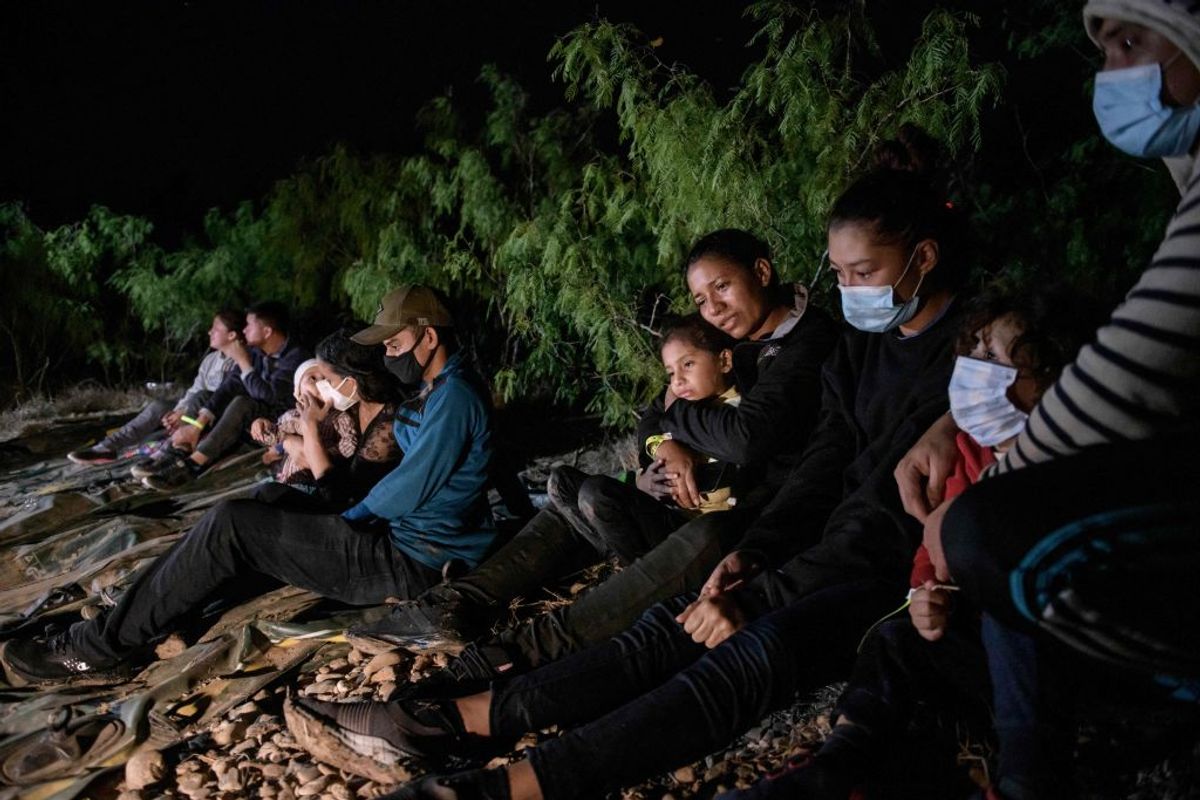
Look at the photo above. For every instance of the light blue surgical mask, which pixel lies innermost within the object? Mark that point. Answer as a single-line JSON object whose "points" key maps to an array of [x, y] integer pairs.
{"points": [[1128, 105], [979, 401], [873, 308]]}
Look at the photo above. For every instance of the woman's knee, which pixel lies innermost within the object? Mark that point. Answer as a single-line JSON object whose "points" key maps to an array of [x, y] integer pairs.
{"points": [[598, 494], [562, 487]]}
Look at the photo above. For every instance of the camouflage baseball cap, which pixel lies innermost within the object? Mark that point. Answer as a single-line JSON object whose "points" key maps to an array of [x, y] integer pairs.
{"points": [[404, 306]]}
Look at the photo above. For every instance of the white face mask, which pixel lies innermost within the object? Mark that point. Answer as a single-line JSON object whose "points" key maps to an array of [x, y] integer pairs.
{"points": [[873, 308], [330, 394], [979, 401]]}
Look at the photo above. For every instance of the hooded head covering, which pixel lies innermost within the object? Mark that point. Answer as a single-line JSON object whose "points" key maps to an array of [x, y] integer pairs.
{"points": [[298, 375], [1177, 20]]}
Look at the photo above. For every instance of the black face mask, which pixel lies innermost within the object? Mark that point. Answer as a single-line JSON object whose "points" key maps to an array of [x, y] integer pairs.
{"points": [[405, 367]]}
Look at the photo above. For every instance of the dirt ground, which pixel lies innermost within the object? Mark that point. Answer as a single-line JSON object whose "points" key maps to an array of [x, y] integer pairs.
{"points": [[205, 720]]}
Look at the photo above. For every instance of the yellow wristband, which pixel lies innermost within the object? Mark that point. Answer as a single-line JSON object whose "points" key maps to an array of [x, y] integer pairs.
{"points": [[191, 421], [654, 442]]}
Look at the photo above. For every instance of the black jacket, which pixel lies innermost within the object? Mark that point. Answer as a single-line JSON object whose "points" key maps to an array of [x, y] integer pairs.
{"points": [[838, 516], [780, 384]]}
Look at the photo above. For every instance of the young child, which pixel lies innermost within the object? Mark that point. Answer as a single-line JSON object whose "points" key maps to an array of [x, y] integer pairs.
{"points": [[698, 359], [337, 430], [614, 515], [1011, 349]]}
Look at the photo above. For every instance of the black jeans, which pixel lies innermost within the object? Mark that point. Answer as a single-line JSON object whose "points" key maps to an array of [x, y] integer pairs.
{"points": [[235, 420], [246, 544], [653, 699], [589, 516]]}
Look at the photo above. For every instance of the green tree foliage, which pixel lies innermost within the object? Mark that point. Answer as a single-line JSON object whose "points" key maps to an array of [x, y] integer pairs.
{"points": [[561, 232]]}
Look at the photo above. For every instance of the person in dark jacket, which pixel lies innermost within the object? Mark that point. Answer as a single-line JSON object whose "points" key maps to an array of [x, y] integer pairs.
{"points": [[430, 509], [782, 341], [786, 610], [259, 386]]}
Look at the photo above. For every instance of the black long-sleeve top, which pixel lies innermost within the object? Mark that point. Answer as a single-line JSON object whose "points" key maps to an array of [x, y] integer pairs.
{"points": [[838, 515], [269, 380], [780, 383]]}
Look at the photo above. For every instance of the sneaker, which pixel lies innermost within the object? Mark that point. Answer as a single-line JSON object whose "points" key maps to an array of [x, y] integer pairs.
{"points": [[369, 739], [145, 467], [172, 474], [96, 454], [470, 672], [53, 658], [440, 620], [475, 784]]}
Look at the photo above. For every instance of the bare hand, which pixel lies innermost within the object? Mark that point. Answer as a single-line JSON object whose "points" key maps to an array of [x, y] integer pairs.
{"points": [[185, 437], [171, 420], [735, 569], [238, 351], [653, 480], [932, 539], [921, 474], [930, 611], [712, 620], [312, 410], [679, 464], [262, 430], [271, 455]]}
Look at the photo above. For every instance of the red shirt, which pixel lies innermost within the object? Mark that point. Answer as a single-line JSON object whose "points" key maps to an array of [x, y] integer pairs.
{"points": [[972, 459]]}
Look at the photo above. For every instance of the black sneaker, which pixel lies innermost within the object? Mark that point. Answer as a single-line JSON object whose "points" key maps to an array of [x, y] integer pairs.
{"points": [[475, 784], [440, 620], [172, 474], [96, 454], [54, 659], [145, 467], [470, 672]]}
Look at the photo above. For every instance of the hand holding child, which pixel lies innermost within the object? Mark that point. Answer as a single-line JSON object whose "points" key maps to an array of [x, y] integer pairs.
{"points": [[653, 480]]}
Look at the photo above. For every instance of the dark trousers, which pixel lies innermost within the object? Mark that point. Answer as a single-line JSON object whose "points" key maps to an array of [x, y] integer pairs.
{"points": [[147, 421], [680, 563], [589, 516], [244, 545], [1090, 558], [651, 699], [234, 421]]}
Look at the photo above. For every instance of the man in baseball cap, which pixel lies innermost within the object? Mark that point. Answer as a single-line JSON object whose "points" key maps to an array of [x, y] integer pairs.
{"points": [[433, 504]]}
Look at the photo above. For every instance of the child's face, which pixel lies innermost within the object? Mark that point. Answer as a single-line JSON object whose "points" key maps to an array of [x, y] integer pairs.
{"points": [[695, 374], [308, 383], [993, 342]]}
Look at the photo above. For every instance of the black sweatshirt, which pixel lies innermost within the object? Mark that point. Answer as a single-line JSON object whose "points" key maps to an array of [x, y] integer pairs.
{"points": [[780, 383], [838, 515]]}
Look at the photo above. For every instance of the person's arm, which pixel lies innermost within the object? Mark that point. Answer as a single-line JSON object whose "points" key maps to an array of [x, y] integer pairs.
{"points": [[275, 389], [1141, 377], [781, 409], [452, 415], [210, 362], [921, 475]]}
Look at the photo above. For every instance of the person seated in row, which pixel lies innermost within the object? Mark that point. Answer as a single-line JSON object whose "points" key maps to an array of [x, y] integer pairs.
{"points": [[431, 508], [226, 329], [261, 386], [335, 433], [611, 517], [781, 341], [352, 377], [1095, 582], [1013, 349], [784, 612]]}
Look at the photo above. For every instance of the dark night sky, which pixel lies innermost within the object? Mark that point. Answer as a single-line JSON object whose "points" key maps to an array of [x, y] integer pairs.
{"points": [[166, 109]]}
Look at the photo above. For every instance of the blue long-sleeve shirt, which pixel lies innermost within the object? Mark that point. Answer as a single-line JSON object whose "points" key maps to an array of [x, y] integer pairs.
{"points": [[436, 499]]}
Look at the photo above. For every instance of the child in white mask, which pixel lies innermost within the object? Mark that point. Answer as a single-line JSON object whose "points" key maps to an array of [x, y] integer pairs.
{"points": [[284, 437]]}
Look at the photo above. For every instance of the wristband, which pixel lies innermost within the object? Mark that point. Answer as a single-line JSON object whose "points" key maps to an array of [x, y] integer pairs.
{"points": [[654, 442], [191, 421]]}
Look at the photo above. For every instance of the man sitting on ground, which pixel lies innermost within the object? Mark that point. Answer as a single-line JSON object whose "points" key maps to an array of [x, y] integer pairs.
{"points": [[261, 386], [433, 504]]}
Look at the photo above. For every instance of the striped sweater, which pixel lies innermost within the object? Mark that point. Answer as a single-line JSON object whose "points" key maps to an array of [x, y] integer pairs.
{"points": [[1141, 377]]}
